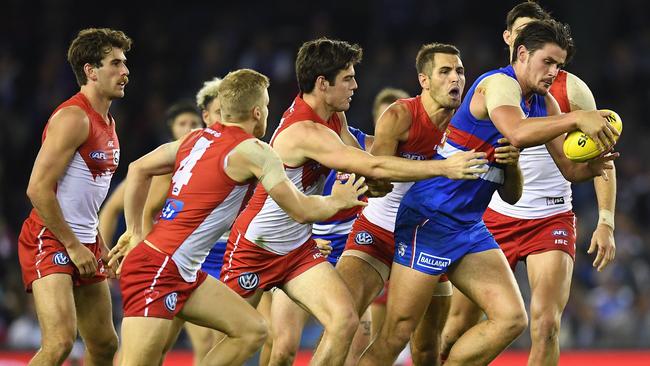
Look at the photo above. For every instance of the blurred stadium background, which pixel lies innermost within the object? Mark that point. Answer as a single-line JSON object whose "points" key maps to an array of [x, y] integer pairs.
{"points": [[178, 45]]}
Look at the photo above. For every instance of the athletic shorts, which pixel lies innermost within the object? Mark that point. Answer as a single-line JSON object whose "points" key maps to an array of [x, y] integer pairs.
{"points": [[248, 267], [520, 238], [152, 286], [42, 254], [432, 244], [214, 260], [371, 239]]}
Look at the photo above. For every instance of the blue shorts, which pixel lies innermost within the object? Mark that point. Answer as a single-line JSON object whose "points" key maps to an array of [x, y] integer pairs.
{"points": [[432, 244], [214, 260], [337, 243]]}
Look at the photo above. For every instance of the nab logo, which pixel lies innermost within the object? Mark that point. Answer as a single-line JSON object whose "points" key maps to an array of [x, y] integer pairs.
{"points": [[170, 301], [363, 238], [401, 249], [433, 262], [550, 201], [560, 232], [248, 281], [97, 155], [171, 209], [561, 242], [60, 259]]}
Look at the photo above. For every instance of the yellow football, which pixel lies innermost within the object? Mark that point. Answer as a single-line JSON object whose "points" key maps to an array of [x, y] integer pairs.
{"points": [[579, 147]]}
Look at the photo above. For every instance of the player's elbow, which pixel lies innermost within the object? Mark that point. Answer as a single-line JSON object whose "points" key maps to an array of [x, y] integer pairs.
{"points": [[35, 192]]}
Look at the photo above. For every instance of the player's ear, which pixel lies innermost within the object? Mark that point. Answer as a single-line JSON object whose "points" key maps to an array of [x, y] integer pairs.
{"points": [[522, 53], [424, 81], [506, 37], [322, 83], [90, 71], [257, 113]]}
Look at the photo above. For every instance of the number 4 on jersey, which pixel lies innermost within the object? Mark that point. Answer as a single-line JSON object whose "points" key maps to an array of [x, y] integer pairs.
{"points": [[184, 173]]}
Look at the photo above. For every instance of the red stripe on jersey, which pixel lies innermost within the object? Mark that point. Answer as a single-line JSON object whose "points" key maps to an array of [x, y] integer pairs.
{"points": [[470, 141], [559, 92]]}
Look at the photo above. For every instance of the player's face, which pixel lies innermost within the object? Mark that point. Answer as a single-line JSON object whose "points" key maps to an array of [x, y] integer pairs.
{"points": [[212, 114], [339, 95], [447, 80], [184, 123], [113, 75], [260, 127], [542, 67]]}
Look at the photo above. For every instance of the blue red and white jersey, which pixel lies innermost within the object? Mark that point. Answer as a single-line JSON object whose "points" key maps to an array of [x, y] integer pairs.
{"points": [[341, 223], [81, 190], [263, 221], [466, 200]]}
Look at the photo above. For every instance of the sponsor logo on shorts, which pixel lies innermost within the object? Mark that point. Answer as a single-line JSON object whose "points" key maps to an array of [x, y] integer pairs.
{"points": [[363, 238], [550, 201], [97, 155], [561, 242], [317, 255], [401, 249], [248, 281], [60, 259], [433, 262], [560, 232], [170, 301], [171, 209]]}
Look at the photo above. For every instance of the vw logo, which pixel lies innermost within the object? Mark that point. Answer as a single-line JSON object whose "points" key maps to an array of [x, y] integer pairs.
{"points": [[248, 280]]}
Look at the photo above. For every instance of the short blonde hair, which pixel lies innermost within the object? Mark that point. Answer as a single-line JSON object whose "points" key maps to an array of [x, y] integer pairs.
{"points": [[240, 91], [208, 93]]}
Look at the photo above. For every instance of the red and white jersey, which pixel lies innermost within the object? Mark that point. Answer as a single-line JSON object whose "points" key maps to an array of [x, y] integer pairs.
{"points": [[263, 222], [546, 192], [421, 144], [202, 201], [83, 187]]}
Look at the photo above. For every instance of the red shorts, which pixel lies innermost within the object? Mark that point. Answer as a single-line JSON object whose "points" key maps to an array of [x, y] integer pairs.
{"points": [[42, 254], [375, 241], [382, 298], [248, 267], [152, 286], [519, 238]]}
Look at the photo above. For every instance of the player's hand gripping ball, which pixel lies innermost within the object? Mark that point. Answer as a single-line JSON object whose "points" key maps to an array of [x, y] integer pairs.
{"points": [[579, 147]]}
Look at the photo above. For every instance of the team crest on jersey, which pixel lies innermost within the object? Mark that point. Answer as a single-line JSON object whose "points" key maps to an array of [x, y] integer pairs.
{"points": [[249, 280], [401, 249], [170, 301], [60, 259], [97, 155], [171, 209], [364, 238]]}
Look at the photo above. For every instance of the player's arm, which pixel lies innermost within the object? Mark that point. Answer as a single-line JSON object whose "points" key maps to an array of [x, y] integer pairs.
{"points": [[155, 201], [108, 215], [513, 184], [66, 131], [500, 96], [346, 135], [254, 158], [314, 141], [392, 128], [602, 240], [572, 171]]}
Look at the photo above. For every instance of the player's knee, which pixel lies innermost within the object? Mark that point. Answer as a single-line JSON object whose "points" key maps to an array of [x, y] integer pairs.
{"points": [[57, 350], [257, 333], [516, 323], [545, 327], [344, 323], [283, 354], [400, 333], [424, 354], [102, 349]]}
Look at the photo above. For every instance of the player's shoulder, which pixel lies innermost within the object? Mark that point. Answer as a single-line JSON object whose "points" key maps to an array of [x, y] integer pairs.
{"points": [[71, 119], [498, 81]]}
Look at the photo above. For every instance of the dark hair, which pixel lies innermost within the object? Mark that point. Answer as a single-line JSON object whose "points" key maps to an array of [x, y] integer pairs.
{"points": [[424, 59], [528, 9], [540, 32], [178, 108], [91, 45], [324, 57]]}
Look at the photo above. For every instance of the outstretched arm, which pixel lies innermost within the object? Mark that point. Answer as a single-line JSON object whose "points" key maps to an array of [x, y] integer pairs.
{"points": [[254, 158]]}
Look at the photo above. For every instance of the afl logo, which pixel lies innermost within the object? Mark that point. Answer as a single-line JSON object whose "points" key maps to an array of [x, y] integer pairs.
{"points": [[248, 281], [170, 301], [60, 259], [363, 238], [97, 155]]}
